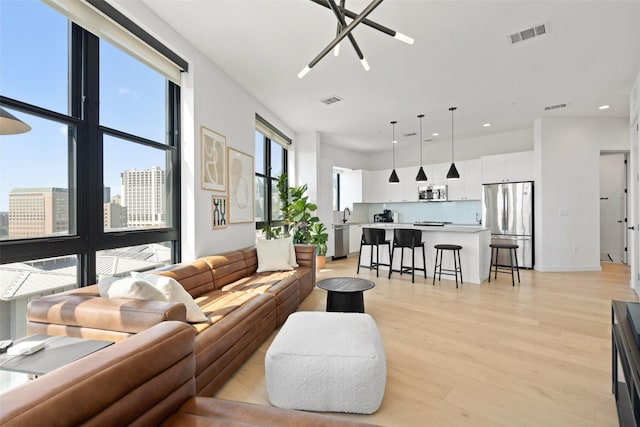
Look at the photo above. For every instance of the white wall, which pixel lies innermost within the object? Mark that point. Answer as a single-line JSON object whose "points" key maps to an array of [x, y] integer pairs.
{"points": [[634, 199], [212, 99], [439, 151], [567, 214]]}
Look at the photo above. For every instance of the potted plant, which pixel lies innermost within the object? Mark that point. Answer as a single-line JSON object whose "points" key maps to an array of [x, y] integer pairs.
{"points": [[319, 237]]}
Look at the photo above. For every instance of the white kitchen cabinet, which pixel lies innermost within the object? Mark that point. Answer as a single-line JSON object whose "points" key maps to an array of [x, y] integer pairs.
{"points": [[350, 188], [436, 173], [510, 167], [355, 234], [407, 189], [469, 186], [376, 187]]}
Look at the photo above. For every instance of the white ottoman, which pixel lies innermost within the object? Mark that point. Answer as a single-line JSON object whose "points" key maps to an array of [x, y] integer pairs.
{"points": [[329, 362]]}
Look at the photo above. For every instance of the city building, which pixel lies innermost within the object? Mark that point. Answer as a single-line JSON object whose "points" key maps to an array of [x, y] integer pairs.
{"points": [[37, 212], [143, 196], [115, 216]]}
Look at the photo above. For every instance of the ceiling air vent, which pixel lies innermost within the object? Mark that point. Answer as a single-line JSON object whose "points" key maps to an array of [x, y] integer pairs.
{"points": [[529, 33], [331, 100], [407, 135], [555, 107]]}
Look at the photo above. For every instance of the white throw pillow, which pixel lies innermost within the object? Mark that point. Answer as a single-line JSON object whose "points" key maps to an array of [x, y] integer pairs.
{"points": [[104, 284], [134, 288], [274, 254], [292, 253], [174, 292]]}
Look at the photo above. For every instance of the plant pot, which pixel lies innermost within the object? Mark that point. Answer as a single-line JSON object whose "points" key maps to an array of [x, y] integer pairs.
{"points": [[321, 262]]}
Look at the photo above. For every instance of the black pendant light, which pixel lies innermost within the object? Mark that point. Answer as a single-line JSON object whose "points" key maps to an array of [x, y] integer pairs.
{"points": [[394, 176], [453, 172], [421, 175]]}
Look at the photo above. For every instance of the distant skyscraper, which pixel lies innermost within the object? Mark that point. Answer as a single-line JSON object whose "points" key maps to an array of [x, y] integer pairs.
{"points": [[115, 216], [37, 212], [143, 194], [106, 194]]}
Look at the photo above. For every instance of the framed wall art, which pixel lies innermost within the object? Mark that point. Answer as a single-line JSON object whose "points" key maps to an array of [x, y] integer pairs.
{"points": [[218, 212], [240, 178], [213, 165]]}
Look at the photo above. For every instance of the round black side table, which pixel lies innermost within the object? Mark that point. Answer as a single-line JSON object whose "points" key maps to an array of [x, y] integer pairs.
{"points": [[344, 294]]}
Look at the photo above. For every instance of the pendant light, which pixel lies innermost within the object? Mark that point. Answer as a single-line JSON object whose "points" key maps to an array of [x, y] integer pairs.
{"points": [[11, 125], [421, 175], [394, 176], [453, 172]]}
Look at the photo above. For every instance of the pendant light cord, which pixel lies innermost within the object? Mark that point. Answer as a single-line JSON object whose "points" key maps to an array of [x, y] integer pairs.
{"points": [[393, 142], [452, 109], [421, 116]]}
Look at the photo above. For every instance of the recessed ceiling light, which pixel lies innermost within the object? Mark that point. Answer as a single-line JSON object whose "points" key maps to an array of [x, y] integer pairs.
{"points": [[486, 125], [435, 134], [604, 107]]}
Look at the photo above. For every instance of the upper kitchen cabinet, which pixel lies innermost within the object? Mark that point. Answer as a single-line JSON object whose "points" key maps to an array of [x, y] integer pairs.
{"points": [[376, 187], [350, 188], [407, 189], [510, 167], [436, 173], [469, 186]]}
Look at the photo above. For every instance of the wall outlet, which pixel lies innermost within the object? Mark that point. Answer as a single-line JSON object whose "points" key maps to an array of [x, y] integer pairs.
{"points": [[564, 212]]}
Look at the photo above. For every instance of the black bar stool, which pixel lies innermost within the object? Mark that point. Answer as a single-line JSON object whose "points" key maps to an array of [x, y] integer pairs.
{"points": [[457, 264], [373, 237], [411, 239], [512, 248]]}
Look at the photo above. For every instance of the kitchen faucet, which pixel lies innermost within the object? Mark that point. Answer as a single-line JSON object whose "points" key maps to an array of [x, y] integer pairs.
{"points": [[344, 214]]}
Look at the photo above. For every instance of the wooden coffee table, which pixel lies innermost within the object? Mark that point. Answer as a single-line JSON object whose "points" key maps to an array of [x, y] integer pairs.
{"points": [[345, 293]]}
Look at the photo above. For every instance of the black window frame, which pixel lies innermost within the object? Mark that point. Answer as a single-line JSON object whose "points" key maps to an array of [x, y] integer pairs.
{"points": [[86, 170], [271, 181]]}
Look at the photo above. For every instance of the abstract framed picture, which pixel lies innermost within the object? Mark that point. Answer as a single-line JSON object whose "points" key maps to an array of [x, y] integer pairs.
{"points": [[240, 179], [218, 212], [213, 165]]}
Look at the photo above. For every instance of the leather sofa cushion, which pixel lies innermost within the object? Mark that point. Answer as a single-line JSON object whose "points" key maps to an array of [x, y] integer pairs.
{"points": [[195, 277], [281, 284], [226, 267], [218, 304]]}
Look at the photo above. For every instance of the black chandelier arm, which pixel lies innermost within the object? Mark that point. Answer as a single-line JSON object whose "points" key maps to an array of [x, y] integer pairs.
{"points": [[350, 14], [342, 24], [344, 33]]}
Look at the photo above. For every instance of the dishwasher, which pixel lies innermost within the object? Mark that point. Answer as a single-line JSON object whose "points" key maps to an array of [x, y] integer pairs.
{"points": [[340, 241]]}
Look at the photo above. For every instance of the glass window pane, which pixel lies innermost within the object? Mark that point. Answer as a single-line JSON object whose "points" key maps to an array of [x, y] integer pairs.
{"points": [[260, 206], [120, 262], [135, 180], [36, 168], [133, 97], [34, 54], [29, 280], [259, 153], [276, 159], [276, 203], [336, 202]]}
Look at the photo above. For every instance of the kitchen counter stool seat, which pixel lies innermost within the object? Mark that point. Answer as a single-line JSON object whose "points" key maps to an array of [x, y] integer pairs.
{"points": [[408, 238], [373, 237], [457, 264], [512, 248]]}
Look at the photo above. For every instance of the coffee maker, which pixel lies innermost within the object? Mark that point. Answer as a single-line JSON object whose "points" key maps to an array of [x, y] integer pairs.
{"points": [[385, 216]]}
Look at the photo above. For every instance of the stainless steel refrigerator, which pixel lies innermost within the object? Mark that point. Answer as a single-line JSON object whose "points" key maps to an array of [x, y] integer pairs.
{"points": [[507, 210]]}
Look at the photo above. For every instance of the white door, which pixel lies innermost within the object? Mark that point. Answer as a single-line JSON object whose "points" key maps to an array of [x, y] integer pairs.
{"points": [[613, 228]]}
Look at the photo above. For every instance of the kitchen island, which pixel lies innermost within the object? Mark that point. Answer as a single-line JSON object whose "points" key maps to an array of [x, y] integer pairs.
{"points": [[475, 253]]}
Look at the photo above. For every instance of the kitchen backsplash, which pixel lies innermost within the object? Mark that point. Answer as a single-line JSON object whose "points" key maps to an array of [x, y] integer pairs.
{"points": [[459, 212]]}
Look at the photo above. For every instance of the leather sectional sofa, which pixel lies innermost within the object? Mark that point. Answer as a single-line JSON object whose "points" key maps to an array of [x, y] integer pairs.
{"points": [[147, 380], [243, 308]]}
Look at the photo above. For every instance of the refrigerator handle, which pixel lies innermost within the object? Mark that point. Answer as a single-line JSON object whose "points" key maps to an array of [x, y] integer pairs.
{"points": [[505, 210]]}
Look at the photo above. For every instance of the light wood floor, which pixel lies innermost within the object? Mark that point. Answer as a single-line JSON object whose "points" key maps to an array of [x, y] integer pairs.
{"points": [[537, 354]]}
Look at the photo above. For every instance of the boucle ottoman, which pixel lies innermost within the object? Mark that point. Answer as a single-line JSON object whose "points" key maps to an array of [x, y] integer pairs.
{"points": [[328, 362]]}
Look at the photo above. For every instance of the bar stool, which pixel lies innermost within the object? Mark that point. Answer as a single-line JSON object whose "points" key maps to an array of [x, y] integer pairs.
{"points": [[457, 264], [411, 239], [373, 237], [511, 247]]}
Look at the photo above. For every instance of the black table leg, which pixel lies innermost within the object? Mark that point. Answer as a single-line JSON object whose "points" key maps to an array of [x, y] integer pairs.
{"points": [[347, 302]]}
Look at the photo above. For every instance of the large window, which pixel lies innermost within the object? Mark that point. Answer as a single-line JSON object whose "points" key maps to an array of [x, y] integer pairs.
{"points": [[270, 163], [94, 179]]}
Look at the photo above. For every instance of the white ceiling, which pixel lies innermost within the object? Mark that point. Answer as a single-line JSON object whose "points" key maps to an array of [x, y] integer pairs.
{"points": [[462, 56]]}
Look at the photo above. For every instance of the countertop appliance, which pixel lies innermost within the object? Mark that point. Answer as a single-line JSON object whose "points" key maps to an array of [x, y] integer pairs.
{"points": [[385, 216], [507, 210], [432, 193]]}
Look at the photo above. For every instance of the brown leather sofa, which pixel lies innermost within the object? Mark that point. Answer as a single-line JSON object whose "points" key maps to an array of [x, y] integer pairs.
{"points": [[243, 308], [147, 380]]}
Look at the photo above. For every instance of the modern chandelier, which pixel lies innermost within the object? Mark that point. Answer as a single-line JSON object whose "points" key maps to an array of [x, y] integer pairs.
{"points": [[421, 176], [453, 171], [345, 30], [393, 178]]}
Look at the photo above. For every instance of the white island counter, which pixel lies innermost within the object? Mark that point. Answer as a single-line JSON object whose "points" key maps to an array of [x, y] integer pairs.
{"points": [[475, 253]]}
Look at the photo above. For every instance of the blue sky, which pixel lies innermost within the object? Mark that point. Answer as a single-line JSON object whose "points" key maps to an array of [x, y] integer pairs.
{"points": [[34, 69]]}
